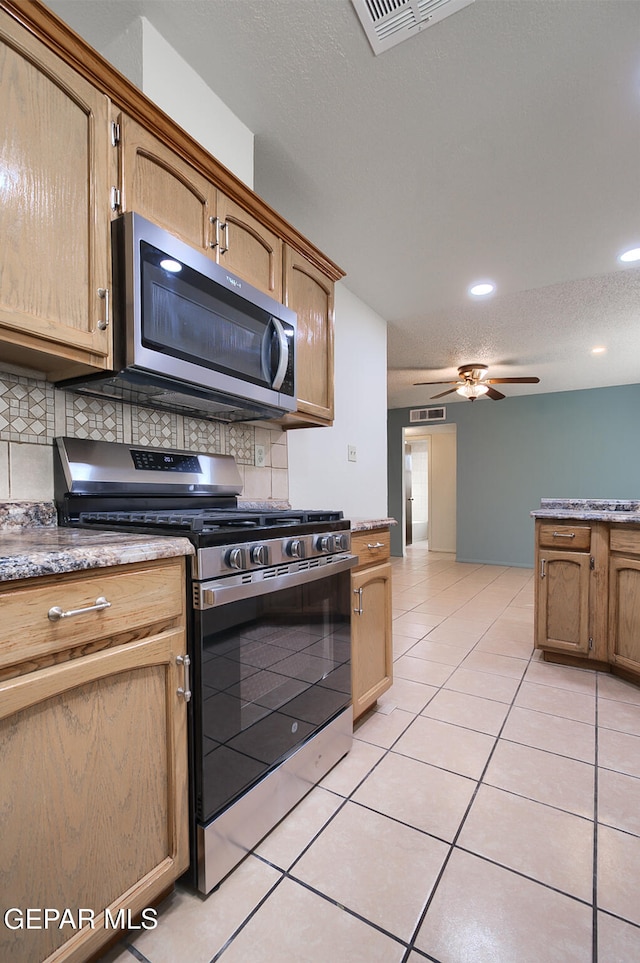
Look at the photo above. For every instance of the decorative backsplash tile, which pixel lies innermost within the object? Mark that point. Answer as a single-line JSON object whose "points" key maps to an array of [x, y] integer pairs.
{"points": [[93, 418], [205, 436], [156, 429], [241, 443], [32, 413], [27, 411]]}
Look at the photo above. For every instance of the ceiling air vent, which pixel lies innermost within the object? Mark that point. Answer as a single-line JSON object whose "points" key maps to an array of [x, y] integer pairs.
{"points": [[427, 414], [389, 22]]}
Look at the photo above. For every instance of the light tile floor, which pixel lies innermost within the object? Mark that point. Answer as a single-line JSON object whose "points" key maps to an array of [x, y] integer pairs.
{"points": [[488, 811]]}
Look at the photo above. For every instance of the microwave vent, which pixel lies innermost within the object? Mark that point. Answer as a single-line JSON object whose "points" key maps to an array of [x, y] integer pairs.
{"points": [[389, 22], [427, 414]]}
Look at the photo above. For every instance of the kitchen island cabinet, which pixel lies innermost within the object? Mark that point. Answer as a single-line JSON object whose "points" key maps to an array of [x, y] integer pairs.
{"points": [[371, 633], [624, 600], [93, 802], [587, 605], [54, 215]]}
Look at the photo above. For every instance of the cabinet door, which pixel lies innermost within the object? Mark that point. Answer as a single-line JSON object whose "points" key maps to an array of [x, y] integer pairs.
{"points": [[311, 295], [157, 183], [624, 612], [93, 800], [54, 213], [371, 650], [247, 248], [562, 614]]}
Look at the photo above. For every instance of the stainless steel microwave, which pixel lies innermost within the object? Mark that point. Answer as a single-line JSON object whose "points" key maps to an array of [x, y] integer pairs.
{"points": [[188, 334]]}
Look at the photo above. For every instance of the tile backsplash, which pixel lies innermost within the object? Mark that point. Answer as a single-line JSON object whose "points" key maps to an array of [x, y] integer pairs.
{"points": [[33, 413]]}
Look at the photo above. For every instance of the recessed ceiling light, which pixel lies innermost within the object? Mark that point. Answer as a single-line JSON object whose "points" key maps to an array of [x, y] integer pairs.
{"points": [[599, 350], [482, 288], [628, 257]]}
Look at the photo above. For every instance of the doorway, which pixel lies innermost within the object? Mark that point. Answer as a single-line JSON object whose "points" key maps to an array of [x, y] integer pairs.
{"points": [[429, 480]]}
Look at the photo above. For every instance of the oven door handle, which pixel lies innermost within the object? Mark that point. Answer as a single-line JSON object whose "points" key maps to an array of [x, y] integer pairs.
{"points": [[208, 595]]}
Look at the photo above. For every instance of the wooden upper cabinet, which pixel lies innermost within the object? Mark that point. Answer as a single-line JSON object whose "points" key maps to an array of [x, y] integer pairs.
{"points": [[248, 248], [156, 183], [310, 293], [54, 210]]}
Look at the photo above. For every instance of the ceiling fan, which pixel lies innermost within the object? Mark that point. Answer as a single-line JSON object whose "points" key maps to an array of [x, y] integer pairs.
{"points": [[472, 383]]}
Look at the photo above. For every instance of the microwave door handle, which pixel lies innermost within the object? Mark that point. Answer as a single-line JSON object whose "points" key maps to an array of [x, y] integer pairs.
{"points": [[283, 363]]}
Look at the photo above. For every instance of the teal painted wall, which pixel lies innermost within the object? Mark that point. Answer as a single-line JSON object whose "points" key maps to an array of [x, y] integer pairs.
{"points": [[512, 453]]}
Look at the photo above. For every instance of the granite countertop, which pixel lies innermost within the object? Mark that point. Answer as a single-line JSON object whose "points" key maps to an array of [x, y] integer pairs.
{"points": [[625, 511], [29, 552], [367, 524]]}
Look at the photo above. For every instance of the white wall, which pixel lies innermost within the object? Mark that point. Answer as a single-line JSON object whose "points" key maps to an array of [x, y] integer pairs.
{"points": [[173, 85], [320, 475], [144, 56]]}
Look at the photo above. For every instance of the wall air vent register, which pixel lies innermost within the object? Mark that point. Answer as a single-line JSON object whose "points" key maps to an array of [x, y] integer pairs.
{"points": [[390, 22], [427, 414]]}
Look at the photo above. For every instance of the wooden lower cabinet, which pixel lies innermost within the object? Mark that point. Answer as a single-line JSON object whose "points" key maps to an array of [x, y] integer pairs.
{"points": [[587, 606], [563, 601], [372, 641], [93, 797], [624, 613]]}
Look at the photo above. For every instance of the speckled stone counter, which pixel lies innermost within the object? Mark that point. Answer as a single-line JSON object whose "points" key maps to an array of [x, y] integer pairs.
{"points": [[624, 511], [18, 515], [29, 552], [368, 524]]}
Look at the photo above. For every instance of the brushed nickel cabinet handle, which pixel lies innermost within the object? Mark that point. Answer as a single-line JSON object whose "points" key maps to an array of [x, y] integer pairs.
{"points": [[225, 228], [543, 562], [56, 613], [373, 545], [358, 592], [104, 294], [216, 224], [186, 691], [564, 534]]}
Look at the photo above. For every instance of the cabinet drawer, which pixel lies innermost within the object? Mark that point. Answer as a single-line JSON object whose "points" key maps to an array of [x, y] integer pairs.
{"points": [[566, 537], [625, 540], [139, 595], [371, 547]]}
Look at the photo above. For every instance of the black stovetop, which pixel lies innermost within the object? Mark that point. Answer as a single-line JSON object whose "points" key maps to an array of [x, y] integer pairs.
{"points": [[204, 526]]}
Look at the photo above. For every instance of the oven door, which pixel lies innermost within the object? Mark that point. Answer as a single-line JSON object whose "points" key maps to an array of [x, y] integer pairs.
{"points": [[272, 667]]}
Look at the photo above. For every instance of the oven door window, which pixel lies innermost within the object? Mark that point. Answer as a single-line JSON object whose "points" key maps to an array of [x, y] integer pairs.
{"points": [[271, 671]]}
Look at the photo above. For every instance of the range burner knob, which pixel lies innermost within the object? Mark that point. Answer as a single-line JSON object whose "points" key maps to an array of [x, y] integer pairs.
{"points": [[324, 543], [235, 558], [260, 555], [295, 548], [341, 541]]}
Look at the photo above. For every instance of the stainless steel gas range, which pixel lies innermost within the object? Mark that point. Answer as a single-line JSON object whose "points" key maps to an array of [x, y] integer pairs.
{"points": [[268, 600]]}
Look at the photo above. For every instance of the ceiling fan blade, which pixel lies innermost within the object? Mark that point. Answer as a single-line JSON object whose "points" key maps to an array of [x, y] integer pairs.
{"points": [[450, 391], [512, 381], [416, 384], [494, 394]]}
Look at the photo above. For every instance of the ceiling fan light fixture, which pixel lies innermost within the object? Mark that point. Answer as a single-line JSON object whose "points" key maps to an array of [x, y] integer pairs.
{"points": [[630, 256], [471, 391], [481, 289]]}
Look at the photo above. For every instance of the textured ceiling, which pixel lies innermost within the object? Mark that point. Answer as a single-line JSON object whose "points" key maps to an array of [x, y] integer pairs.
{"points": [[503, 142]]}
